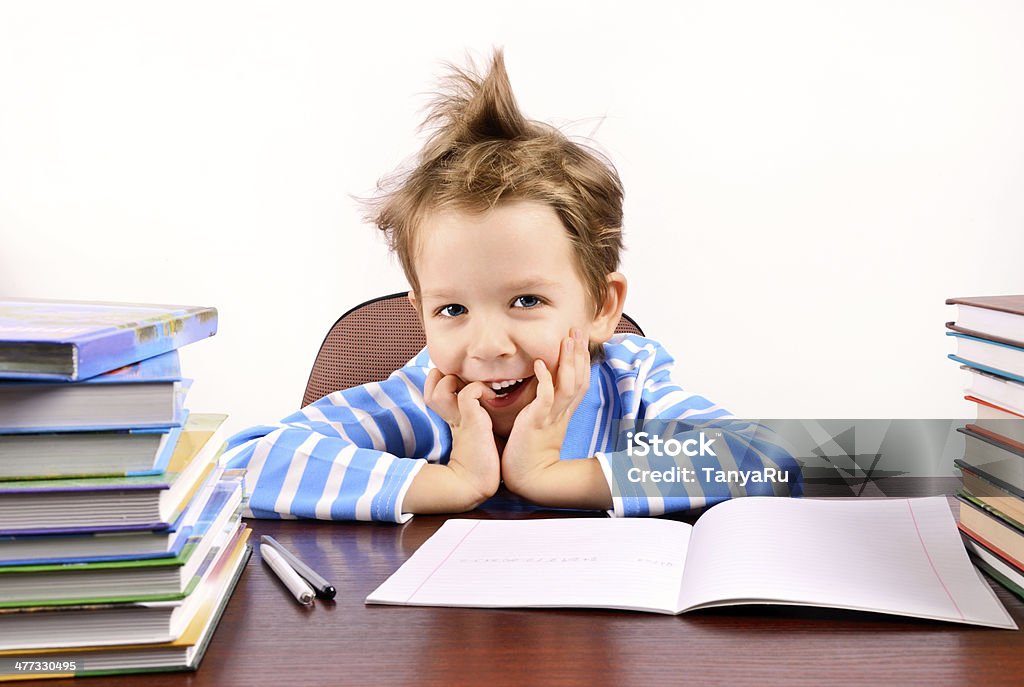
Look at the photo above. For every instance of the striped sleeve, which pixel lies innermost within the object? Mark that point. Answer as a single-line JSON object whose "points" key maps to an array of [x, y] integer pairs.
{"points": [[350, 456], [732, 457]]}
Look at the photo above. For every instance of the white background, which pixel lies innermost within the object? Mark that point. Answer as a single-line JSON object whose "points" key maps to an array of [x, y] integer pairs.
{"points": [[806, 182]]}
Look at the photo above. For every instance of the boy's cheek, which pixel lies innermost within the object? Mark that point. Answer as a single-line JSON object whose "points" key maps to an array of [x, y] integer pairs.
{"points": [[440, 357], [554, 351]]}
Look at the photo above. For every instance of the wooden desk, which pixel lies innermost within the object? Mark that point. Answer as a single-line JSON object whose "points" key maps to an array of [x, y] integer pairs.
{"points": [[265, 638]]}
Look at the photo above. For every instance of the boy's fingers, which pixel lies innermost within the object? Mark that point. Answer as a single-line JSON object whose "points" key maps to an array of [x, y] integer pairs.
{"points": [[469, 399], [478, 391], [433, 377], [441, 398], [545, 385], [566, 387], [448, 411], [448, 386]]}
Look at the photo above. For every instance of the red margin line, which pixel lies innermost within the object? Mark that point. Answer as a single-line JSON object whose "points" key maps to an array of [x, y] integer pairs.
{"points": [[438, 567], [931, 562]]}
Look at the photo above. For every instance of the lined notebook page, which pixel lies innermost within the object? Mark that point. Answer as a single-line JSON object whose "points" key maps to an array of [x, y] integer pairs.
{"points": [[901, 556], [573, 562]]}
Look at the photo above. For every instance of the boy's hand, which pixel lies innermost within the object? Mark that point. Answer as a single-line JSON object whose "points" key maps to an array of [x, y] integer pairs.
{"points": [[474, 460], [535, 442]]}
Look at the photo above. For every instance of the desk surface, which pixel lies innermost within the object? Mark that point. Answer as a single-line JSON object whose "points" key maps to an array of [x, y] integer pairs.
{"points": [[266, 638]]}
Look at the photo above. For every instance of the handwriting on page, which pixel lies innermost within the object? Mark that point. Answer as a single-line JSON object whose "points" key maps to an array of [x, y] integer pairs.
{"points": [[532, 559], [557, 563], [561, 559]]}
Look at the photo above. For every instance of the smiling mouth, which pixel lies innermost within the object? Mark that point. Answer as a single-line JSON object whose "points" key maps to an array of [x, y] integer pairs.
{"points": [[507, 388]]}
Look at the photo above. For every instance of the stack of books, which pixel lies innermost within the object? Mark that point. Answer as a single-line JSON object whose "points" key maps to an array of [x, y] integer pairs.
{"points": [[120, 535], [989, 334]]}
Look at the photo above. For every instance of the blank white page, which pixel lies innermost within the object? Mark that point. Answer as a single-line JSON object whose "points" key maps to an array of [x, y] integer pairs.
{"points": [[571, 562], [900, 556]]}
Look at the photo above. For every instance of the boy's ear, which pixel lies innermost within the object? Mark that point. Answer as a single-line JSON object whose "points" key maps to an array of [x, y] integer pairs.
{"points": [[607, 317], [415, 305]]}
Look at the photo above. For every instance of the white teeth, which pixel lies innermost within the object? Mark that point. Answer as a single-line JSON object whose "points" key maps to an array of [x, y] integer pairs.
{"points": [[502, 385]]}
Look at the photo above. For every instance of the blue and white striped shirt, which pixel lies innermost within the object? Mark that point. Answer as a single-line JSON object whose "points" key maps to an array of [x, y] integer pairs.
{"points": [[353, 454]]}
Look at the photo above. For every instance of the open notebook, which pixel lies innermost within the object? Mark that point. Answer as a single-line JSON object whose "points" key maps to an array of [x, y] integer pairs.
{"points": [[897, 556]]}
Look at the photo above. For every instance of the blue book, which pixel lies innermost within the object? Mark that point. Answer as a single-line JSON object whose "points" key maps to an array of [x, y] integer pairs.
{"points": [[988, 355], [71, 341], [147, 394], [60, 455]]}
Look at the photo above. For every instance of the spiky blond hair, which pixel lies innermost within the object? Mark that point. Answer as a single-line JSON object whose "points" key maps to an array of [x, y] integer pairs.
{"points": [[483, 151]]}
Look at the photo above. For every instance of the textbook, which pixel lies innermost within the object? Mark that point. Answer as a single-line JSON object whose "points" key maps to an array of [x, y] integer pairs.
{"points": [[992, 528], [895, 556], [996, 565], [149, 393], [1002, 359], [1002, 497], [145, 579], [91, 504], [998, 423], [114, 453], [89, 547], [74, 340], [1005, 393], [93, 625], [183, 653], [999, 318], [996, 461]]}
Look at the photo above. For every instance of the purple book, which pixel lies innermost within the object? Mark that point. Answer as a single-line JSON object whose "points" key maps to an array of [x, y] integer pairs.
{"points": [[70, 341]]}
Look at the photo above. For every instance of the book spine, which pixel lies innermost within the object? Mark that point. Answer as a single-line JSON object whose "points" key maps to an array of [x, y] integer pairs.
{"points": [[163, 457]]}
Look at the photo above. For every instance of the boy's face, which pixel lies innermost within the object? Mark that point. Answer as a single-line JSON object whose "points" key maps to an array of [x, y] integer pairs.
{"points": [[498, 291]]}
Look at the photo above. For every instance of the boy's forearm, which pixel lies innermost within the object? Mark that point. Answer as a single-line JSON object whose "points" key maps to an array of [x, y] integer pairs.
{"points": [[438, 488], [567, 484]]}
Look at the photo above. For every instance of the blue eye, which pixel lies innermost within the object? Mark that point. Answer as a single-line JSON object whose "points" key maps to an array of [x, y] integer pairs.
{"points": [[526, 302], [452, 310]]}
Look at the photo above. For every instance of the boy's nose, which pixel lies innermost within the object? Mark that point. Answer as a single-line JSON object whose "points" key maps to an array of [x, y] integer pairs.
{"points": [[489, 340]]}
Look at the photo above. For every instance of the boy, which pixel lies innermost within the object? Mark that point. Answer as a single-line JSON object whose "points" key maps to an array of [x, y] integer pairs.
{"points": [[510, 237]]}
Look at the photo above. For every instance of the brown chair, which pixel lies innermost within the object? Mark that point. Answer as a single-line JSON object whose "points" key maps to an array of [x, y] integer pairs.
{"points": [[374, 339]]}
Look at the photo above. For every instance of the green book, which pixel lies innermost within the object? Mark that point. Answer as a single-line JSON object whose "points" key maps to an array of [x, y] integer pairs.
{"points": [[121, 638], [148, 579]]}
